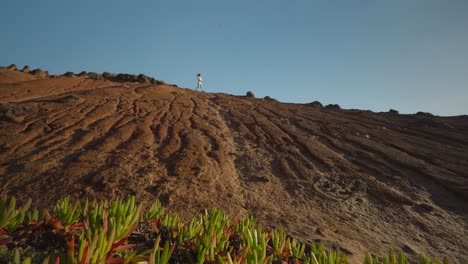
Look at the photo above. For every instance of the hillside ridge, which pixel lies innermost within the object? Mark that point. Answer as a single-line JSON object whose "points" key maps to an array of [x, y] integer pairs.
{"points": [[354, 179]]}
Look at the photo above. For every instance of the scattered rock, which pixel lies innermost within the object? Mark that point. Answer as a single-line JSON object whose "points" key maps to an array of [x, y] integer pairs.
{"points": [[408, 250], [83, 74], [424, 114], [393, 112], [94, 75], [270, 99], [319, 231], [123, 77], [423, 208], [143, 79], [69, 74], [40, 73], [332, 107], [250, 94], [13, 67], [315, 104], [107, 75], [25, 69], [158, 82]]}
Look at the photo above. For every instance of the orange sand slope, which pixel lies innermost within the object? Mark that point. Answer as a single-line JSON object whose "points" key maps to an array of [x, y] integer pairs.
{"points": [[357, 180]]}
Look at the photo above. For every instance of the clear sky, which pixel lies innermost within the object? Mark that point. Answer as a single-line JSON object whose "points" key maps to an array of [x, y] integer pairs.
{"points": [[408, 55]]}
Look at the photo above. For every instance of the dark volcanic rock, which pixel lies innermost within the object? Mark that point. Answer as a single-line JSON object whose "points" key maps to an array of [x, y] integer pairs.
{"points": [[143, 79], [424, 114], [83, 74], [268, 98], [123, 77], [25, 69], [250, 94], [107, 75], [315, 104], [40, 73], [13, 67], [94, 75], [393, 112], [69, 74], [333, 107]]}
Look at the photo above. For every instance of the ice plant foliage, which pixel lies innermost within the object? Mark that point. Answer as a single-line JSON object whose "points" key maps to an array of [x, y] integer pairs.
{"points": [[119, 232]]}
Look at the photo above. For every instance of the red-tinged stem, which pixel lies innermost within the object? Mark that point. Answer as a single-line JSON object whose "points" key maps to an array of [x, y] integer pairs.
{"points": [[27, 229], [71, 249], [84, 260], [120, 242], [124, 247]]}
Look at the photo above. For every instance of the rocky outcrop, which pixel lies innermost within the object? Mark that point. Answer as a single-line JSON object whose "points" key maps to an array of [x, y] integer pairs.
{"points": [[143, 79], [250, 94], [121, 77], [393, 112], [332, 107], [69, 74], [315, 104], [25, 69], [40, 73], [12, 67], [424, 114], [107, 75], [268, 98], [94, 76]]}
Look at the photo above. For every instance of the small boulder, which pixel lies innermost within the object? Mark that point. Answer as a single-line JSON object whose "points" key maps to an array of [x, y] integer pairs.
{"points": [[315, 104], [94, 75], [107, 75], [157, 82], [393, 112], [123, 77], [40, 73], [13, 67], [83, 74], [69, 74], [424, 114], [333, 107], [143, 79], [250, 94], [268, 98], [25, 69]]}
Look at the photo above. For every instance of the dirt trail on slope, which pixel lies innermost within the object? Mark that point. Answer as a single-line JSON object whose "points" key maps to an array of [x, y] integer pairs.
{"points": [[356, 180]]}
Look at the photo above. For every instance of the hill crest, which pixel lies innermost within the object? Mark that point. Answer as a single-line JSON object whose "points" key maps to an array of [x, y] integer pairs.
{"points": [[354, 179]]}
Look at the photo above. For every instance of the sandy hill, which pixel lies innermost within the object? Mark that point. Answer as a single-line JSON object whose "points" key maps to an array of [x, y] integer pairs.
{"points": [[356, 180]]}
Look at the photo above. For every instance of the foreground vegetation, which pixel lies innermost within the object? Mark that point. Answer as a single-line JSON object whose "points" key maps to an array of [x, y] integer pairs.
{"points": [[121, 232]]}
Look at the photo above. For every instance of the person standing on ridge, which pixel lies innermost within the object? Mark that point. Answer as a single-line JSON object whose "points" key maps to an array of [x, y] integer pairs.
{"points": [[199, 82]]}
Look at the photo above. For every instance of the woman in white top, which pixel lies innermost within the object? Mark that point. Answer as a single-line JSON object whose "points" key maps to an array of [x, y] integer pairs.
{"points": [[199, 82]]}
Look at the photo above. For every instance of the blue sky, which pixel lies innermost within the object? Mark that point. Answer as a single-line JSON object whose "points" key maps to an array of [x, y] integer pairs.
{"points": [[408, 55]]}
